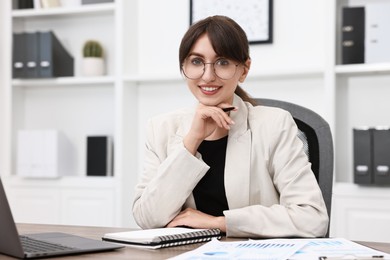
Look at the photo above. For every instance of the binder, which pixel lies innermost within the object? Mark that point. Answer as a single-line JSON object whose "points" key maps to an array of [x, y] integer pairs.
{"points": [[362, 155], [163, 237], [353, 25], [31, 45], [25, 4], [381, 161], [54, 60], [18, 54], [99, 156], [377, 32]]}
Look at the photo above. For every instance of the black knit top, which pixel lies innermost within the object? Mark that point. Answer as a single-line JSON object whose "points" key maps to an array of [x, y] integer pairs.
{"points": [[209, 193]]}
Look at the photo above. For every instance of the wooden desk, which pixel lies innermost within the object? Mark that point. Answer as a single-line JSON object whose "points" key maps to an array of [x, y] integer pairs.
{"points": [[97, 233], [129, 252]]}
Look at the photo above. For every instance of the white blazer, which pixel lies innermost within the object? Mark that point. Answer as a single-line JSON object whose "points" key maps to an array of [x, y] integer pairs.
{"points": [[270, 188]]}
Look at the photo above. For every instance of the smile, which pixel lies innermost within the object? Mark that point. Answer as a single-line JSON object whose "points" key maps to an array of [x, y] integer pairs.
{"points": [[209, 89]]}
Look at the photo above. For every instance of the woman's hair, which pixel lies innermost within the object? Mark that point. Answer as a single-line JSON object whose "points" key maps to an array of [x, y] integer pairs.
{"points": [[227, 38]]}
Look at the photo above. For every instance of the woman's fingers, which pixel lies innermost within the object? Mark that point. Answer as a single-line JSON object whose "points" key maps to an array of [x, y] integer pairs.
{"points": [[221, 118]]}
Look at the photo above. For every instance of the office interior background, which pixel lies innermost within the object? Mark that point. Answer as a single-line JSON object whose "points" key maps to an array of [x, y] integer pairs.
{"points": [[140, 40]]}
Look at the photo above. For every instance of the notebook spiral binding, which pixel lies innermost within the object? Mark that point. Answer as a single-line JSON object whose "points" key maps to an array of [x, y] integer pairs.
{"points": [[189, 238]]}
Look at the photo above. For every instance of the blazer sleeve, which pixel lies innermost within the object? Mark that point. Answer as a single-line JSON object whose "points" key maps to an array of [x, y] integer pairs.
{"points": [[169, 175], [300, 210]]}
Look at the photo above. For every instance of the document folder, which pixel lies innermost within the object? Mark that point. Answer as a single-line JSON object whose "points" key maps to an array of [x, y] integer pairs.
{"points": [[381, 155], [99, 156], [18, 63], [353, 35], [31, 54], [55, 60], [377, 32], [362, 155]]}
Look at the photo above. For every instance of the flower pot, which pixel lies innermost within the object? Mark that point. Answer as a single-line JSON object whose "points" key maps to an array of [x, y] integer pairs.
{"points": [[93, 66]]}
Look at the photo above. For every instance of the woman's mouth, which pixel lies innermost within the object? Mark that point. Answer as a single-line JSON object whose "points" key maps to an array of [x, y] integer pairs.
{"points": [[208, 90]]}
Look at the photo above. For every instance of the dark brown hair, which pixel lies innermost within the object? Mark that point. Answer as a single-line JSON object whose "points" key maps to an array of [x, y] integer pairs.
{"points": [[227, 38]]}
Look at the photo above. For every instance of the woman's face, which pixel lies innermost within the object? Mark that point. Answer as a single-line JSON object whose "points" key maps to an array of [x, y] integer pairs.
{"points": [[210, 89]]}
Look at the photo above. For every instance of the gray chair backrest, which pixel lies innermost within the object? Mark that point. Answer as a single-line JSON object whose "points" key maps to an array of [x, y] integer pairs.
{"points": [[317, 137]]}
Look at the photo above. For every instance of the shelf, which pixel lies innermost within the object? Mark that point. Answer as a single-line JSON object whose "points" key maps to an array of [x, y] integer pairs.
{"points": [[357, 69], [63, 81], [66, 181], [79, 10], [153, 78], [286, 73]]}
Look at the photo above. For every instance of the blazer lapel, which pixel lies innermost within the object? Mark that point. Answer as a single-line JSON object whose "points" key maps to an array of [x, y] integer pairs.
{"points": [[237, 165]]}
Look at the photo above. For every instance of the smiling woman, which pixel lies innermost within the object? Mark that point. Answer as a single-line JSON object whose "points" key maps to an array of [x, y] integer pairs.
{"points": [[243, 171]]}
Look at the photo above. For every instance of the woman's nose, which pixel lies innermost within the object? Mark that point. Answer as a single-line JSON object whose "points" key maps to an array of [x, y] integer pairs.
{"points": [[209, 73]]}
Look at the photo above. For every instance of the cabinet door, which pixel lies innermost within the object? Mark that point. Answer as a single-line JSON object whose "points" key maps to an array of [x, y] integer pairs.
{"points": [[361, 218], [34, 205], [88, 207]]}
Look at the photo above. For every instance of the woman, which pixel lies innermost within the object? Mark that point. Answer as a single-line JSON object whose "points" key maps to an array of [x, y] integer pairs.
{"points": [[242, 171]]}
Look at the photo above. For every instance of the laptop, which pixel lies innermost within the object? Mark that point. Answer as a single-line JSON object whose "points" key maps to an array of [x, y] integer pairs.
{"points": [[42, 244]]}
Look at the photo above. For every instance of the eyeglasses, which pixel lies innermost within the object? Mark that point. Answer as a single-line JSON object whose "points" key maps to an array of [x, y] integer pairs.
{"points": [[194, 68]]}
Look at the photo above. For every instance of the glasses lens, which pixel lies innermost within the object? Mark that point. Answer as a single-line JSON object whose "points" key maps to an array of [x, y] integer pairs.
{"points": [[225, 69], [194, 68]]}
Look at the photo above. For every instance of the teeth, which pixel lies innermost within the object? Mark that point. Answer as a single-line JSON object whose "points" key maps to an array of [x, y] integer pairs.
{"points": [[209, 88]]}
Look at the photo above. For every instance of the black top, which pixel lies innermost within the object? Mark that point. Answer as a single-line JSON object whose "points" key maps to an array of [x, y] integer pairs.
{"points": [[209, 193]]}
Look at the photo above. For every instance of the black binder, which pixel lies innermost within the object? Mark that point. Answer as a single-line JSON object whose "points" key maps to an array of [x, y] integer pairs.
{"points": [[55, 60], [25, 4], [381, 156], [18, 62], [99, 156], [362, 155], [353, 23], [31, 54]]}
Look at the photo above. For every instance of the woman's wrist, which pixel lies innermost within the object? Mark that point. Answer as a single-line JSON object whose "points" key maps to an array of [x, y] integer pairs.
{"points": [[221, 223], [191, 144]]}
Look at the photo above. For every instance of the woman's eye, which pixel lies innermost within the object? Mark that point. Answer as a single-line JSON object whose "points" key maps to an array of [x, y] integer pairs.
{"points": [[196, 62], [222, 62]]}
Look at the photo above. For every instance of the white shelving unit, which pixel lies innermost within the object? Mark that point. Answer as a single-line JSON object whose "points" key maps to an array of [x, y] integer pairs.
{"points": [[77, 106], [361, 97], [302, 65]]}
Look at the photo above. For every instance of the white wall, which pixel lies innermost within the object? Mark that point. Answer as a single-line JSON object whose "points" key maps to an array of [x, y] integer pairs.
{"points": [[298, 46], [298, 36]]}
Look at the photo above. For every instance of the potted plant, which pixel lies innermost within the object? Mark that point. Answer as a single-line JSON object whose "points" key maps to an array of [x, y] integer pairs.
{"points": [[93, 62]]}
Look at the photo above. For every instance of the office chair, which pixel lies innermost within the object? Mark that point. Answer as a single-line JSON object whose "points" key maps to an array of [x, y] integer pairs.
{"points": [[316, 136]]}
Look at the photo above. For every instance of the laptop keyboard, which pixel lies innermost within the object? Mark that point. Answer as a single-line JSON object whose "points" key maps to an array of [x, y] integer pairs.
{"points": [[32, 245]]}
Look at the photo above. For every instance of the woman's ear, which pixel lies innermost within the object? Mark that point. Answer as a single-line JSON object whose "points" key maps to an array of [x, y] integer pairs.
{"points": [[247, 66]]}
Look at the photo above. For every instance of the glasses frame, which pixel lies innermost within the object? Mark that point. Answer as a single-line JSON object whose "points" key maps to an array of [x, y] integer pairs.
{"points": [[213, 65]]}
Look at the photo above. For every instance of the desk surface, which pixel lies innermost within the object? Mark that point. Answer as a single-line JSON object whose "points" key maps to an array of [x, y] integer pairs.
{"points": [[129, 252]]}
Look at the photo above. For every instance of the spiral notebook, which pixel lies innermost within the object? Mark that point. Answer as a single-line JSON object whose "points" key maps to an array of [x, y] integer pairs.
{"points": [[163, 237]]}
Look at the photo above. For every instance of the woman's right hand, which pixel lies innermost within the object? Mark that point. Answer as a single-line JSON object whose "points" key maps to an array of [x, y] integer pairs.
{"points": [[206, 121]]}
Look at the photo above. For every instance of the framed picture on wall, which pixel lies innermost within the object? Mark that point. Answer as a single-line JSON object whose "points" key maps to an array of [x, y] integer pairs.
{"points": [[254, 16]]}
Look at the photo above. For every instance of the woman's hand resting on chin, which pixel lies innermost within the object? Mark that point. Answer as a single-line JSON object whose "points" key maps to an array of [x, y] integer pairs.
{"points": [[208, 120]]}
